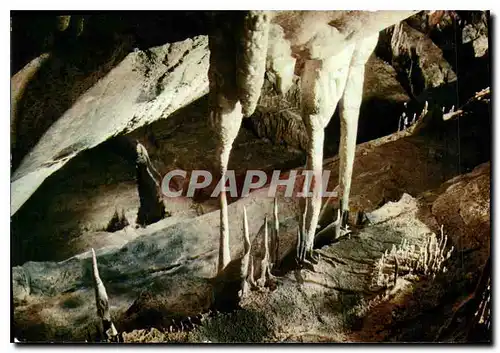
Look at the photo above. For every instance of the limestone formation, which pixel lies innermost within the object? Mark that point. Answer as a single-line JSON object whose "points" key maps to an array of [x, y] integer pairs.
{"points": [[102, 303], [184, 279], [151, 208], [332, 49], [136, 92]]}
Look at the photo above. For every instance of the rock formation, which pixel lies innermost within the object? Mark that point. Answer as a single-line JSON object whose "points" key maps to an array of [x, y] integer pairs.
{"points": [[414, 266]]}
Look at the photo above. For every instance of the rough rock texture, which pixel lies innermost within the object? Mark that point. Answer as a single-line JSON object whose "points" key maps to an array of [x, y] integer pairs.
{"points": [[278, 117], [139, 90], [381, 82], [419, 60], [19, 83], [459, 34], [464, 207], [251, 59], [476, 33], [426, 22], [64, 74]]}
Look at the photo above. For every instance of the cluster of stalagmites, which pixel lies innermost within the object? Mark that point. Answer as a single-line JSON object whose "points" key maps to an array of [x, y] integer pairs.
{"points": [[410, 260]]}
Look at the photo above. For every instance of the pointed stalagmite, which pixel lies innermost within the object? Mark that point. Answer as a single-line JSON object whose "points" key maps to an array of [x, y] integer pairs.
{"points": [[151, 208], [190, 324], [299, 243], [250, 277], [102, 302], [275, 240], [264, 265], [302, 231], [245, 261]]}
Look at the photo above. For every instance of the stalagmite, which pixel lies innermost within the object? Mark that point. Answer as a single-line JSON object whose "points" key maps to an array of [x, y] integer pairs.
{"points": [[102, 303]]}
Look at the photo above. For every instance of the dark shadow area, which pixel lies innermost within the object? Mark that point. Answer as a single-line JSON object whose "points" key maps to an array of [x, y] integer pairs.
{"points": [[70, 70], [377, 118], [423, 315], [35, 32], [78, 60], [39, 229], [117, 222]]}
